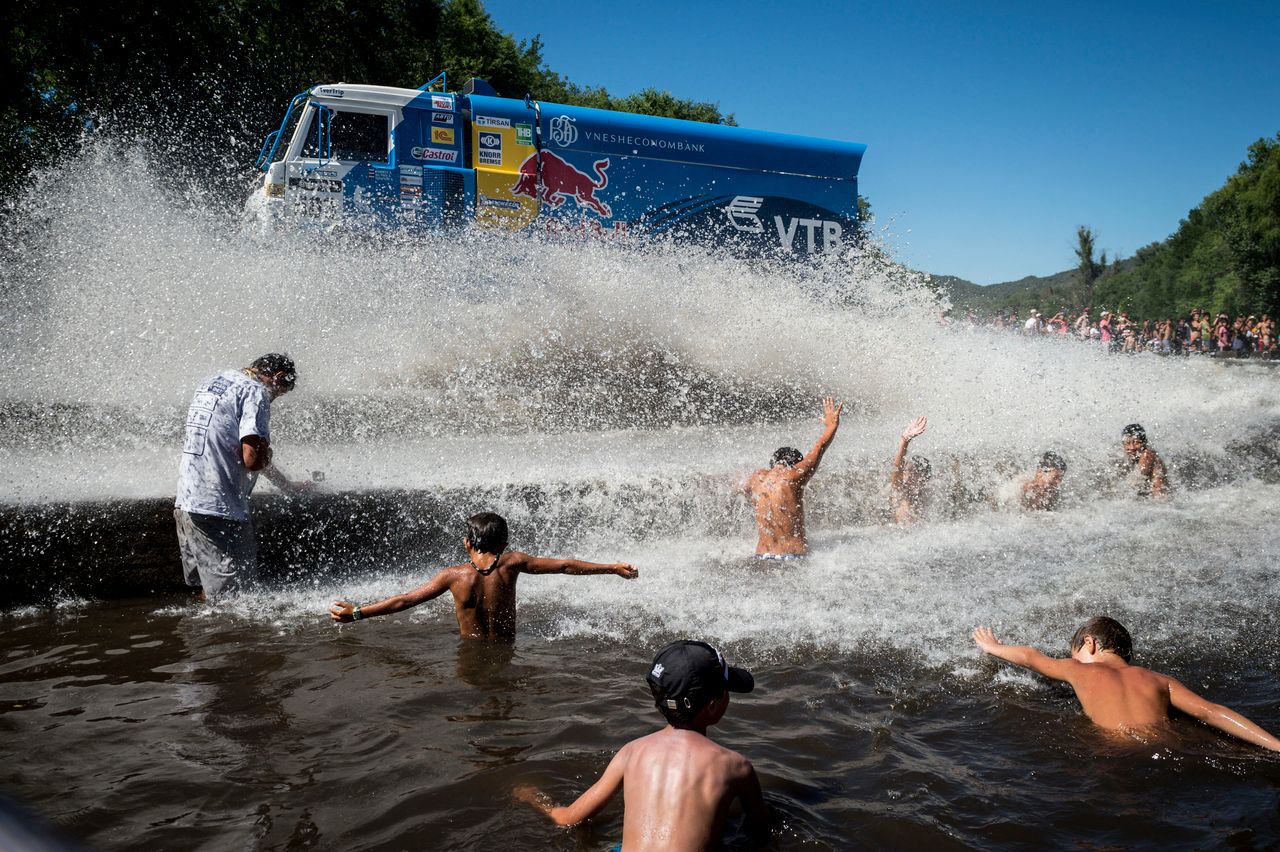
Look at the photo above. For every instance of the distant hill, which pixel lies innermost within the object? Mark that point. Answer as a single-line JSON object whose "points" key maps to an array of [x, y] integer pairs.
{"points": [[1048, 294]]}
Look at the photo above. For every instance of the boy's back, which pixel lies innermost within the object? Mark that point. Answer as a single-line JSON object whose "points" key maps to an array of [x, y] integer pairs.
{"points": [[1129, 697], [678, 788]]}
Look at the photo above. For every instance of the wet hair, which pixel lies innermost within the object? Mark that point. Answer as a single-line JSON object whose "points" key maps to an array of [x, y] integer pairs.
{"points": [[487, 532], [922, 466], [274, 363], [1134, 430], [1108, 633], [789, 456], [1052, 461]]}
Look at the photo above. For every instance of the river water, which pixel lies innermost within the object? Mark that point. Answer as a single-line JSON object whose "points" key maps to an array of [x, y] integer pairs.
{"points": [[606, 399]]}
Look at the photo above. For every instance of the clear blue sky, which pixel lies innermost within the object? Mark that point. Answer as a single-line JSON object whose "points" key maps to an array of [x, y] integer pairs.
{"points": [[994, 129]]}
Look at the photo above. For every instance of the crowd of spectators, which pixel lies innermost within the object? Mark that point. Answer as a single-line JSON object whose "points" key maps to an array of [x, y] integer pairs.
{"points": [[1196, 333]]}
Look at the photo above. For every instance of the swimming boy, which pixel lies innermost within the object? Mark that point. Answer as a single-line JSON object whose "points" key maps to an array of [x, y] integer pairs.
{"points": [[777, 492], [483, 588], [1043, 489], [677, 785], [907, 482], [1115, 694], [1148, 470]]}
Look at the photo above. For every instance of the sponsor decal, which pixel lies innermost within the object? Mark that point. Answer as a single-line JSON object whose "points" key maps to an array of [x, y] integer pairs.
{"points": [[561, 180], [331, 93], [641, 141], [434, 155], [410, 190], [490, 121], [410, 180], [524, 134], [832, 233], [442, 136], [742, 212], [503, 203], [563, 131], [411, 170], [444, 102], [380, 175], [489, 151], [324, 173], [442, 117]]}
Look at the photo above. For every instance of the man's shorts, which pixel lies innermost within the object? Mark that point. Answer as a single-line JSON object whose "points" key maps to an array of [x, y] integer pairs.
{"points": [[218, 554]]}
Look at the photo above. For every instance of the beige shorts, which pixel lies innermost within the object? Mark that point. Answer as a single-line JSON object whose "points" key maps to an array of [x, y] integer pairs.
{"points": [[218, 554]]}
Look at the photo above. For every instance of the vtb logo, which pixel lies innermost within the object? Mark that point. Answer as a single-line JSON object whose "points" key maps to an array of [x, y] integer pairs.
{"points": [[563, 131]]}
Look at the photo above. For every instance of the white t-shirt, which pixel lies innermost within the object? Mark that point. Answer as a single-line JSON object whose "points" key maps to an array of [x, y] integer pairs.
{"points": [[212, 478]]}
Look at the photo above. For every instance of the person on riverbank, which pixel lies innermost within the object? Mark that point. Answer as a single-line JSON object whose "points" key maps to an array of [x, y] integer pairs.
{"points": [[1042, 490], [907, 481], [484, 587], [777, 492], [1114, 693], [227, 444], [677, 785], [1146, 469]]}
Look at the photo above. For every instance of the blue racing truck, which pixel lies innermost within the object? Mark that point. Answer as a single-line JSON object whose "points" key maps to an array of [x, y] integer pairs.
{"points": [[432, 159]]}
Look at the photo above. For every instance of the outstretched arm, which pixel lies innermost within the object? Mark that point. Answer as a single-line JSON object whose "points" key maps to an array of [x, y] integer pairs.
{"points": [[755, 813], [588, 804], [576, 567], [1223, 718], [914, 430], [808, 465], [1021, 655], [344, 611]]}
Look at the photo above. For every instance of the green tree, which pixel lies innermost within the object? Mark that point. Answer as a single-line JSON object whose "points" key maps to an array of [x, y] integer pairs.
{"points": [[1089, 267]]}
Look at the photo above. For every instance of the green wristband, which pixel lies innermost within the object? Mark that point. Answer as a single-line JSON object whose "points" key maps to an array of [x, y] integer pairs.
{"points": [[355, 613]]}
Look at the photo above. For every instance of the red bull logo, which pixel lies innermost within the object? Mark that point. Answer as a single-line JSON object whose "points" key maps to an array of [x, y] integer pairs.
{"points": [[560, 180]]}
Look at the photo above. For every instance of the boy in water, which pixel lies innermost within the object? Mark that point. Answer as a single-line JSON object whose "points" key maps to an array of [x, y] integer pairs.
{"points": [[483, 588], [1148, 471], [1116, 695], [777, 492], [1042, 490], [677, 785], [907, 482]]}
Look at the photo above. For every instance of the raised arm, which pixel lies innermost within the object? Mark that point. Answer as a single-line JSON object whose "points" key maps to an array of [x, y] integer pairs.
{"points": [[914, 430], [1021, 655], [808, 465], [1223, 718], [344, 611], [588, 804], [577, 567]]}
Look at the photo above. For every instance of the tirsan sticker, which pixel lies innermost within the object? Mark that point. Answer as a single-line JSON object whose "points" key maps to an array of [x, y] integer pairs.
{"points": [[524, 134], [490, 121], [435, 155], [489, 151], [444, 102], [442, 117], [442, 135]]}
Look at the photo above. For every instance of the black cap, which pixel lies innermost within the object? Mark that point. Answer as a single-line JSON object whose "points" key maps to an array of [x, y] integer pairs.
{"points": [[687, 674], [273, 363]]}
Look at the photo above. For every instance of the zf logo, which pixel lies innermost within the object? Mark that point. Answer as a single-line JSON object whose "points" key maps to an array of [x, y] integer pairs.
{"points": [[563, 131]]}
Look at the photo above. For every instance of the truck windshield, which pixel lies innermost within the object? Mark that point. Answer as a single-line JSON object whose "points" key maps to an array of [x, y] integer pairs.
{"points": [[359, 136]]}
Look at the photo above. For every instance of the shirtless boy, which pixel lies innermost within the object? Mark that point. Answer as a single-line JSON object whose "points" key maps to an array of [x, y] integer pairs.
{"points": [[907, 481], [777, 492], [1116, 695], [483, 588], [1149, 471], [677, 785], [1042, 490]]}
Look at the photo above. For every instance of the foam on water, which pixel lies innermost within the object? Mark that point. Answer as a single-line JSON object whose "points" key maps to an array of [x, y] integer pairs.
{"points": [[636, 384]]}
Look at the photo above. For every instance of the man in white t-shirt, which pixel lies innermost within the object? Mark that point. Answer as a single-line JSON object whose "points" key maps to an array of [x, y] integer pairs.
{"points": [[228, 443]]}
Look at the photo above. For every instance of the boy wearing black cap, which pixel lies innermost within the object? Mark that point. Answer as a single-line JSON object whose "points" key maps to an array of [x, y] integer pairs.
{"points": [[677, 784]]}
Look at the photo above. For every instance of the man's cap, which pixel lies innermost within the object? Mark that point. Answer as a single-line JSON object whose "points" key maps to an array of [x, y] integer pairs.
{"points": [[273, 363], [688, 673]]}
